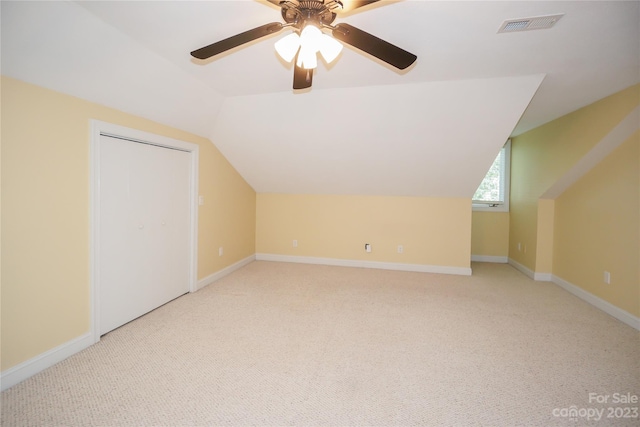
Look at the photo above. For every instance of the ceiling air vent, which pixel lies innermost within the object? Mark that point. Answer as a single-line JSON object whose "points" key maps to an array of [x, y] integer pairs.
{"points": [[526, 24]]}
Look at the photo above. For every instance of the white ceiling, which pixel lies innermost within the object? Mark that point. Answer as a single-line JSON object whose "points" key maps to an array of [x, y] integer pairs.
{"points": [[364, 128]]}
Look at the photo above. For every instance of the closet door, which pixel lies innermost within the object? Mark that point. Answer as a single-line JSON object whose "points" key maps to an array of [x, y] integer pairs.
{"points": [[144, 229]]}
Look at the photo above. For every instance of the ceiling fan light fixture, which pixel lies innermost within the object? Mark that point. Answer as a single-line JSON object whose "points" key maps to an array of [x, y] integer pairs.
{"points": [[288, 46], [310, 42]]}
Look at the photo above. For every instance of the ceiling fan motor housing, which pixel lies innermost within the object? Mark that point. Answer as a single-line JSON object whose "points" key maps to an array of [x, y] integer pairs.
{"points": [[316, 12]]}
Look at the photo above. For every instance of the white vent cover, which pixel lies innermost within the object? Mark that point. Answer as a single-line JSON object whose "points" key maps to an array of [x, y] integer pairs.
{"points": [[526, 24]]}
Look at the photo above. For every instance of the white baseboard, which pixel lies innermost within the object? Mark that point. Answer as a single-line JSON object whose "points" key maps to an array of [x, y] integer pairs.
{"points": [[539, 277], [21, 372], [490, 258], [598, 302], [224, 272], [543, 277], [524, 270], [421, 268]]}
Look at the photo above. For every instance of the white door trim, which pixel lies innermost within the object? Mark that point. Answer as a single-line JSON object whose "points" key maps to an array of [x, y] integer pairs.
{"points": [[98, 128]]}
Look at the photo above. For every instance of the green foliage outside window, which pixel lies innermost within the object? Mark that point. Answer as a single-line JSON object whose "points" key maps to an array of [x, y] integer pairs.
{"points": [[490, 189]]}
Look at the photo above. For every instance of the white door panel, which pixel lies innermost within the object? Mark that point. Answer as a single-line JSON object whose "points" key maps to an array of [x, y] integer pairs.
{"points": [[144, 228]]}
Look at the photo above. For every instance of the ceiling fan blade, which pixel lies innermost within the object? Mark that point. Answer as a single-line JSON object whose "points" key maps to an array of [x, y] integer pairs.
{"points": [[302, 78], [349, 5], [237, 40], [371, 44]]}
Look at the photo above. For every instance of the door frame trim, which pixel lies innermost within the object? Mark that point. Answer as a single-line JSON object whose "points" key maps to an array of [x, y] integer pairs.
{"points": [[97, 129]]}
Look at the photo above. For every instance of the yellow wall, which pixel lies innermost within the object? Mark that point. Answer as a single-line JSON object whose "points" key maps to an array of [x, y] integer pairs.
{"points": [[432, 231], [597, 223], [543, 155], [544, 237], [490, 233], [45, 214]]}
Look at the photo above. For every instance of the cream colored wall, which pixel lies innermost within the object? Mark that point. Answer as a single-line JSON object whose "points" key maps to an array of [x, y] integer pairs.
{"points": [[490, 233], [541, 156], [544, 238], [45, 214], [432, 231], [597, 223]]}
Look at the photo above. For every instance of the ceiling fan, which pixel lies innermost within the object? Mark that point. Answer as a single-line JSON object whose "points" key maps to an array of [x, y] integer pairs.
{"points": [[307, 18]]}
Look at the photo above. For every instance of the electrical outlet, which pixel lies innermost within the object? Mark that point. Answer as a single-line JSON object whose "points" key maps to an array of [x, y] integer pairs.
{"points": [[367, 247], [400, 249], [607, 278], [295, 243], [519, 246], [220, 251]]}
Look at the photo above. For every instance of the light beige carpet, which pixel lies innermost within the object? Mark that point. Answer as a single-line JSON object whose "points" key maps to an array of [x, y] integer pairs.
{"points": [[291, 344]]}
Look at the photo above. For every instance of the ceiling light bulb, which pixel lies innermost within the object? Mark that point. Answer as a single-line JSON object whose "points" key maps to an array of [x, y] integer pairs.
{"points": [[330, 48], [311, 37], [307, 58], [288, 46]]}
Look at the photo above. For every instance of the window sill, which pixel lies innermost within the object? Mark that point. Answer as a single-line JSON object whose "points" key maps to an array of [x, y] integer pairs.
{"points": [[487, 208]]}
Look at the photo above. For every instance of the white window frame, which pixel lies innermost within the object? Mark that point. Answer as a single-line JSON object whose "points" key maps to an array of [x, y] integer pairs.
{"points": [[506, 177]]}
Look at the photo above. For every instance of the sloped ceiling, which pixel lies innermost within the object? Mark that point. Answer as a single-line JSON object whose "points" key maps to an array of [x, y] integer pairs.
{"points": [[389, 140], [363, 128]]}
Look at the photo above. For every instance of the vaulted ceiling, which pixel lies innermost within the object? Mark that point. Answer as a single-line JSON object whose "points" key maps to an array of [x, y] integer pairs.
{"points": [[364, 127]]}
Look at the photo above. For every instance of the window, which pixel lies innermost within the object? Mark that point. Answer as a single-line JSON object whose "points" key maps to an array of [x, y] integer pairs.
{"points": [[493, 192]]}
